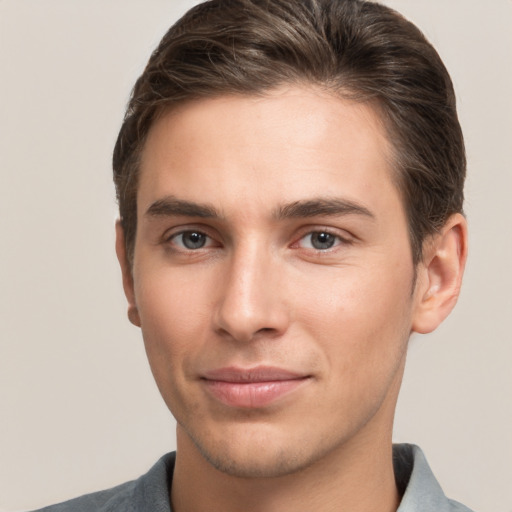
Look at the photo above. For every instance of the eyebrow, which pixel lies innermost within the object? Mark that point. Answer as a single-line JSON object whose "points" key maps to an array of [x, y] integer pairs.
{"points": [[322, 207], [170, 206]]}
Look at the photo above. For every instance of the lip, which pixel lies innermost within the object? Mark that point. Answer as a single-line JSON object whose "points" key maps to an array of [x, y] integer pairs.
{"points": [[251, 387]]}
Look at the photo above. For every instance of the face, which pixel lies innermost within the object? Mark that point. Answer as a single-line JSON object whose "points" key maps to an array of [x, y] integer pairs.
{"points": [[273, 277]]}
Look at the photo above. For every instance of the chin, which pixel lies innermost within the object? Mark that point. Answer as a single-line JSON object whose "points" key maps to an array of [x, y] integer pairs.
{"points": [[257, 454], [255, 465]]}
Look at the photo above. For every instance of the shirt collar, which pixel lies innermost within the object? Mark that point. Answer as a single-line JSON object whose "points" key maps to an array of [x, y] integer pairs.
{"points": [[414, 478], [421, 491]]}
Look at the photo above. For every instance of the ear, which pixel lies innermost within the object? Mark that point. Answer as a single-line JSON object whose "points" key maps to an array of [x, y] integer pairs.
{"points": [[126, 270], [440, 275]]}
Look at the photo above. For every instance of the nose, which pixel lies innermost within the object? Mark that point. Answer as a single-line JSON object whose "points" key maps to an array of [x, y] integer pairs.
{"points": [[252, 301]]}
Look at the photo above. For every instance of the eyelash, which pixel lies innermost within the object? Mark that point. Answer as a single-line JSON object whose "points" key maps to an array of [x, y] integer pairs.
{"points": [[336, 240], [171, 238]]}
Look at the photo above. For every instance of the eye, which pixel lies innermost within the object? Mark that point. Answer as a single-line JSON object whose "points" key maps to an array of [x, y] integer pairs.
{"points": [[320, 240], [191, 240]]}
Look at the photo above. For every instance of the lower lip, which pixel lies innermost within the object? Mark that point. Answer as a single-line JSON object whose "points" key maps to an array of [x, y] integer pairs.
{"points": [[252, 394]]}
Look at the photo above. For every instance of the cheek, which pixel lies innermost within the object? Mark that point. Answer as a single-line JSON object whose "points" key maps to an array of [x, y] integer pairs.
{"points": [[173, 326], [174, 320], [361, 317]]}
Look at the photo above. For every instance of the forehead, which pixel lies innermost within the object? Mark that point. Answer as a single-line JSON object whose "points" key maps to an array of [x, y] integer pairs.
{"points": [[277, 147]]}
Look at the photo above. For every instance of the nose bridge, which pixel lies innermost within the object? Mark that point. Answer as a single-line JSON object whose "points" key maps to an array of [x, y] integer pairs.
{"points": [[250, 302]]}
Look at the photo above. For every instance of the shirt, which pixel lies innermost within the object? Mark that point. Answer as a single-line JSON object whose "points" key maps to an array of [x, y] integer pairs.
{"points": [[150, 493]]}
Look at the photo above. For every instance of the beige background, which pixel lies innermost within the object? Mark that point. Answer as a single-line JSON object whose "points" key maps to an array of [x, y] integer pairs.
{"points": [[78, 407]]}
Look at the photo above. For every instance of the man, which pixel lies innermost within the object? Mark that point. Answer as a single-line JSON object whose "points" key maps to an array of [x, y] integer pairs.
{"points": [[290, 183]]}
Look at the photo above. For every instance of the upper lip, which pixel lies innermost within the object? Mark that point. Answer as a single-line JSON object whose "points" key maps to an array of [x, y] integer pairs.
{"points": [[256, 374]]}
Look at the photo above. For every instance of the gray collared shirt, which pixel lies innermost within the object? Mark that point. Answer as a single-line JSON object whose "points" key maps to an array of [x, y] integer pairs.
{"points": [[150, 492]]}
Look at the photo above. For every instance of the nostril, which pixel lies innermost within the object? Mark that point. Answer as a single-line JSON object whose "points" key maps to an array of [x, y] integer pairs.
{"points": [[267, 331]]}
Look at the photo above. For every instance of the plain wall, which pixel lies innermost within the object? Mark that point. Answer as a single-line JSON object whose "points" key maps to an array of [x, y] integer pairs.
{"points": [[78, 407]]}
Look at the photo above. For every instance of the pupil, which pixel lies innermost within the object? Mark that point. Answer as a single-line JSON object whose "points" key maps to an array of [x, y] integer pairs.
{"points": [[322, 240], [194, 240]]}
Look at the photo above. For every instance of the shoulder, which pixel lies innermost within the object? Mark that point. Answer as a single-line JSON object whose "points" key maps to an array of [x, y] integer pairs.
{"points": [[148, 493], [419, 488], [455, 506], [96, 501]]}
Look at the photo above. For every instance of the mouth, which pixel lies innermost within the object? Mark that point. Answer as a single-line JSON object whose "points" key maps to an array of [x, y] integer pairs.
{"points": [[251, 387]]}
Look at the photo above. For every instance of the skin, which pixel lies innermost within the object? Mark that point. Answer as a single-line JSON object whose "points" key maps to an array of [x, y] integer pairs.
{"points": [[263, 291]]}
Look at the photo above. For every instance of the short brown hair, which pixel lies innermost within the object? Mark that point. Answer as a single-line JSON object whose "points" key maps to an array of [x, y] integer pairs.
{"points": [[353, 48]]}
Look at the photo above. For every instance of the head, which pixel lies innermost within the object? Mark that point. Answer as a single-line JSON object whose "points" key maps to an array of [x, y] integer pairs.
{"points": [[350, 48], [289, 177]]}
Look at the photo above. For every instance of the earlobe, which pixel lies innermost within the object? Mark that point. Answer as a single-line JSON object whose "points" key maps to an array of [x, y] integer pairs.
{"points": [[441, 275], [133, 313]]}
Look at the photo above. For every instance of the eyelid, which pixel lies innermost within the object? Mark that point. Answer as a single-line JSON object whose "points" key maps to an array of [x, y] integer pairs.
{"points": [[186, 228], [176, 231], [344, 236]]}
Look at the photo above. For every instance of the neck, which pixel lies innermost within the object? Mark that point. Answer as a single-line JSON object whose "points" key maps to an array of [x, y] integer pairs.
{"points": [[358, 477]]}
